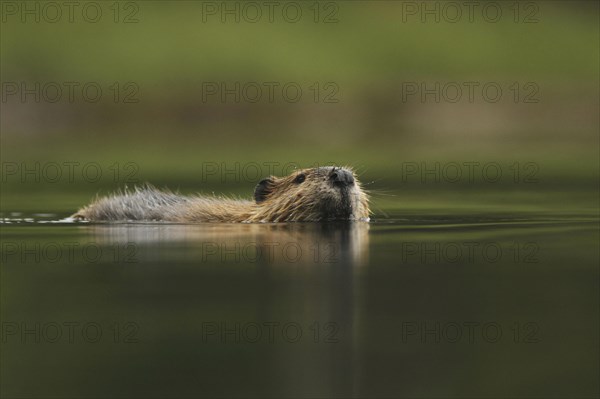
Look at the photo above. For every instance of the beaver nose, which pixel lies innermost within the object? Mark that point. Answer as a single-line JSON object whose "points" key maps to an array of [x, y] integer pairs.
{"points": [[341, 177]]}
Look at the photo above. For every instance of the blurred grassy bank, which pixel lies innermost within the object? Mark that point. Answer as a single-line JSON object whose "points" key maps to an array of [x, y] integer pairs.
{"points": [[372, 53]]}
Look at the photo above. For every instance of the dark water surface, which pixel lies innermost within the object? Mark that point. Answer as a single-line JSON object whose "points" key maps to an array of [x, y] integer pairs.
{"points": [[453, 305]]}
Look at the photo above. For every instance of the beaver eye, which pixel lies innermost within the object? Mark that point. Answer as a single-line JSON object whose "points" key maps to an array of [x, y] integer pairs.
{"points": [[300, 178]]}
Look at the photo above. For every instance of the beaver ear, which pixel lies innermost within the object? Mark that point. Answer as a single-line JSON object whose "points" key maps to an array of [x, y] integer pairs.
{"points": [[262, 189]]}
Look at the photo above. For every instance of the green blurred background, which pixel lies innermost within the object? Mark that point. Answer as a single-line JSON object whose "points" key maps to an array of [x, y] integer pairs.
{"points": [[369, 51]]}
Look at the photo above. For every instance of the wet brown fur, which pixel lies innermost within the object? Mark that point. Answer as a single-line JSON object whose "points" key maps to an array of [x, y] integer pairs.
{"points": [[277, 199]]}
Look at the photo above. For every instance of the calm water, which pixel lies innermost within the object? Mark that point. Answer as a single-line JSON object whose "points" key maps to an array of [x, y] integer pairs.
{"points": [[411, 305]]}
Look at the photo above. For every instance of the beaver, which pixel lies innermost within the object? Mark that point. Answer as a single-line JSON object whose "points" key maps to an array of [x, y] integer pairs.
{"points": [[307, 195]]}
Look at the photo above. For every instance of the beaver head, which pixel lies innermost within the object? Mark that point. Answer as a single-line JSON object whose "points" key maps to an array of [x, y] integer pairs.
{"points": [[324, 193]]}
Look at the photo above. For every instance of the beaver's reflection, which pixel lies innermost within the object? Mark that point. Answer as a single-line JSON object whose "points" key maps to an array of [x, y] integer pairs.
{"points": [[238, 275], [291, 243]]}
